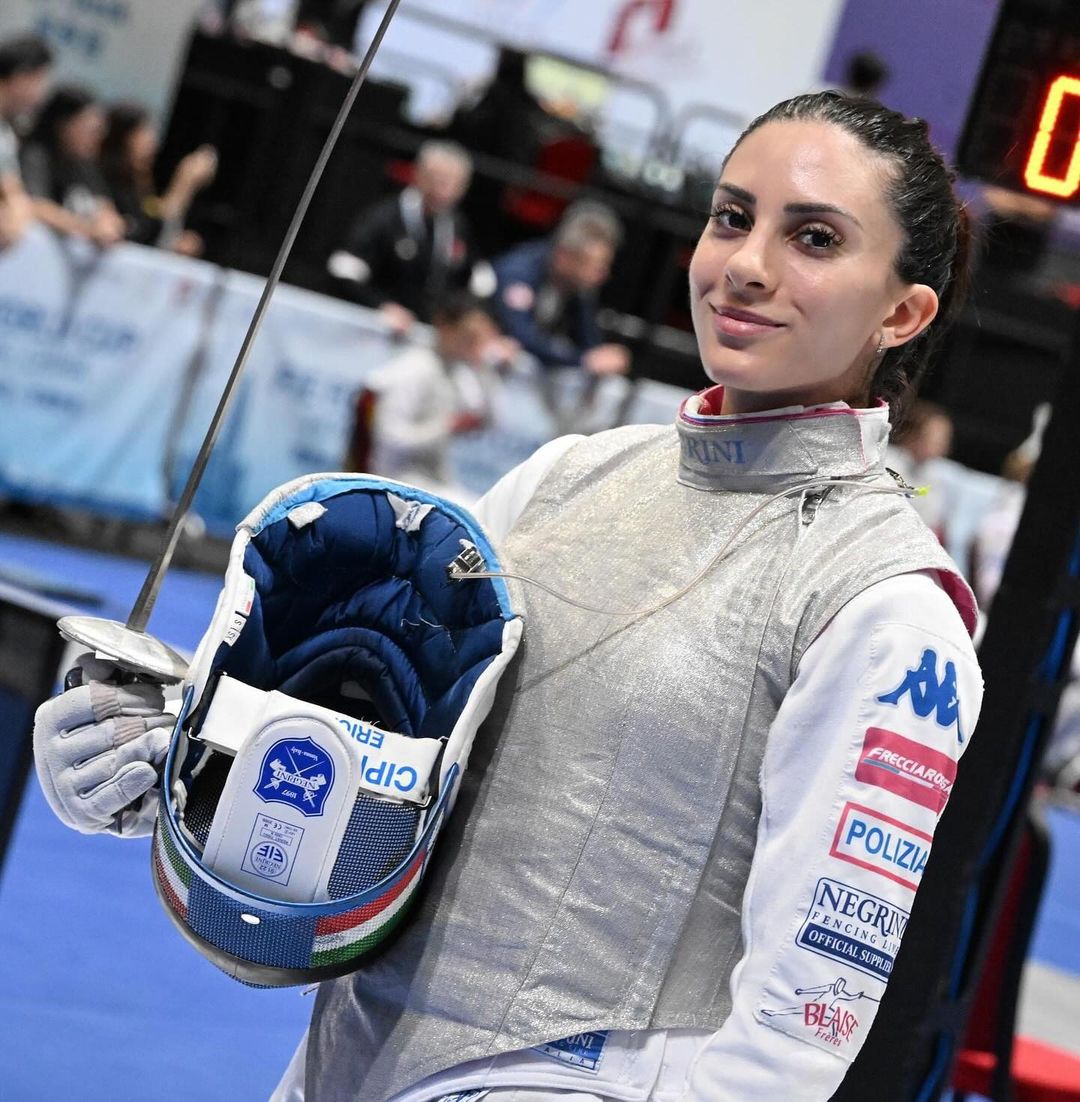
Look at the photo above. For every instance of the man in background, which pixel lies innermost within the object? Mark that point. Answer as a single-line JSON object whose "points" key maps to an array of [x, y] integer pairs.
{"points": [[24, 82], [406, 253], [546, 292], [546, 299]]}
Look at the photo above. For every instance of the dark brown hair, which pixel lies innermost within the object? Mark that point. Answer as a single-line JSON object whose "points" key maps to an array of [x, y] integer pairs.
{"points": [[937, 234]]}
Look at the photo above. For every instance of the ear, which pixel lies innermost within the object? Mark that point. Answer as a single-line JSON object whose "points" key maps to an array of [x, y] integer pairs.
{"points": [[911, 315]]}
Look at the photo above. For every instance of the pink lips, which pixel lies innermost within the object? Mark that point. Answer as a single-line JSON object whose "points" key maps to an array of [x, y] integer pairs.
{"points": [[733, 322]]}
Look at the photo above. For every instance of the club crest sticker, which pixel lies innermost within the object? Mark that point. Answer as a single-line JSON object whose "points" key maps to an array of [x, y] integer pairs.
{"points": [[297, 772]]}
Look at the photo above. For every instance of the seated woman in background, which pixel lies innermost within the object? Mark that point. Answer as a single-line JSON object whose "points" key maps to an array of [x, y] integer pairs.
{"points": [[61, 170], [127, 161]]}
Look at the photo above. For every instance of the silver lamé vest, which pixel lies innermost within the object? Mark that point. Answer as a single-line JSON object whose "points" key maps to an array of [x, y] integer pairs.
{"points": [[592, 874]]}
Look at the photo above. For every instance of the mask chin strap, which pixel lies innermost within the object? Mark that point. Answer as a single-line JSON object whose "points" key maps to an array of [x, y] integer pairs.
{"points": [[467, 566]]}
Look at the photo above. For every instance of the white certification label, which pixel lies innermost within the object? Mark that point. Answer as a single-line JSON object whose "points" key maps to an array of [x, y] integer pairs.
{"points": [[271, 849]]}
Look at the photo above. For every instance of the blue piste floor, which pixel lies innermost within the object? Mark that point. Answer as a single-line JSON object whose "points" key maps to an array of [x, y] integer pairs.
{"points": [[102, 1001], [1057, 935]]}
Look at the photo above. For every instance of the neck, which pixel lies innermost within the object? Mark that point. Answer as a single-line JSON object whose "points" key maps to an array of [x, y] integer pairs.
{"points": [[749, 401]]}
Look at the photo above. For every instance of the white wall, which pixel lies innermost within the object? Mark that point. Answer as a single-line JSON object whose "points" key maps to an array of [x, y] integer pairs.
{"points": [[741, 55]]}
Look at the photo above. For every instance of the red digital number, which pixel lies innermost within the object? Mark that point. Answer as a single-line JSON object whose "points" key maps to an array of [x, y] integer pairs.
{"points": [[1065, 187]]}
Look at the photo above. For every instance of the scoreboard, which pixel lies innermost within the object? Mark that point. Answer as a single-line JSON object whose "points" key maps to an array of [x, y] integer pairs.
{"points": [[1023, 126]]}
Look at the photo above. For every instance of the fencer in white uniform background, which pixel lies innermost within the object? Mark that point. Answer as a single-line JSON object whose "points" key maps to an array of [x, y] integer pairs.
{"points": [[685, 860]]}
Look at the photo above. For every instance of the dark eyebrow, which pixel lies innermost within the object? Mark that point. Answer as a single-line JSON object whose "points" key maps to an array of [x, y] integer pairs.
{"points": [[820, 208], [738, 193], [791, 208]]}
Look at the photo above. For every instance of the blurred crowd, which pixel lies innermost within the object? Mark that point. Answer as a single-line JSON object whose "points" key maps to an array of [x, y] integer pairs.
{"points": [[83, 167], [461, 322], [87, 169]]}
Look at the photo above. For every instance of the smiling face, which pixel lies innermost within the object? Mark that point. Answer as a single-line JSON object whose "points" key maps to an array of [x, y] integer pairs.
{"points": [[793, 281]]}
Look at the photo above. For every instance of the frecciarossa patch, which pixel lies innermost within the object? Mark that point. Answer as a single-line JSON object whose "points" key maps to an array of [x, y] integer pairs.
{"points": [[907, 768], [881, 844]]}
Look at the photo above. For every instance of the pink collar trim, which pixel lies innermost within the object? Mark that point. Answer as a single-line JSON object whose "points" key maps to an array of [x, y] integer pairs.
{"points": [[709, 403]]}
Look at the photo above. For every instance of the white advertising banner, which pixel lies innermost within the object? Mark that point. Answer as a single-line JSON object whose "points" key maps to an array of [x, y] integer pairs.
{"points": [[121, 49], [293, 411], [93, 350]]}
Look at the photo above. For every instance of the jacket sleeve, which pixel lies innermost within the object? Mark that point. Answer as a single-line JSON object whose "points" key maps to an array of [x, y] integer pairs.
{"points": [[859, 763], [360, 267], [36, 171]]}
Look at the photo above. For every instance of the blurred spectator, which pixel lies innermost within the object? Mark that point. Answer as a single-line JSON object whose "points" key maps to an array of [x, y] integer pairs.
{"points": [[332, 22], [1061, 761], [406, 253], [1015, 231], [61, 169], [127, 163], [506, 120], [865, 75], [924, 438], [546, 292], [24, 79], [264, 20], [412, 406], [994, 536]]}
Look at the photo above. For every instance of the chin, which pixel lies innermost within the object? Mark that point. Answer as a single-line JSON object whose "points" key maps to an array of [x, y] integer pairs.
{"points": [[735, 368]]}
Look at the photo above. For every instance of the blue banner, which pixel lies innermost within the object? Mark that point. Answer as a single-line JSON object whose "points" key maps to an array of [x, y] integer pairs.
{"points": [[112, 363], [93, 350]]}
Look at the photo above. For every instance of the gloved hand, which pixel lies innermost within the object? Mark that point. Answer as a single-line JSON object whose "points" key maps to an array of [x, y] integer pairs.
{"points": [[95, 747]]}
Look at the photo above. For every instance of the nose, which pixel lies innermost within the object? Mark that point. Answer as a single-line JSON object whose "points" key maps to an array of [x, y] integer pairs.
{"points": [[748, 267]]}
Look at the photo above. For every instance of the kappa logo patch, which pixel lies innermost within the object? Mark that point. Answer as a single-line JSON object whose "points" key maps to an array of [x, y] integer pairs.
{"points": [[907, 768], [853, 927], [881, 844], [583, 1051], [929, 694]]}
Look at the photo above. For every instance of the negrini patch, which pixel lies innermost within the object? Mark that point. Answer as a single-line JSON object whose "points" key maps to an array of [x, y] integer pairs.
{"points": [[849, 925], [297, 772], [583, 1051]]}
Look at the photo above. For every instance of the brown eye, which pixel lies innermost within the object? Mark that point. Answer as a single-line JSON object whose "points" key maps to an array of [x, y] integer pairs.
{"points": [[730, 217], [819, 238]]}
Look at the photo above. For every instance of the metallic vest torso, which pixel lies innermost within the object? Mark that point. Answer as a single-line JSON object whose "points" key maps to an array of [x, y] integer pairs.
{"points": [[593, 872]]}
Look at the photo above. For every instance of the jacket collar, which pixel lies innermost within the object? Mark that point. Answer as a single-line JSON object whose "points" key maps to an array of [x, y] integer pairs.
{"points": [[771, 451]]}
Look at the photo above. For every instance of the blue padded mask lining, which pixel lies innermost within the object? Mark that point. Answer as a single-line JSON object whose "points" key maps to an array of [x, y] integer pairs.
{"points": [[350, 597]]}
